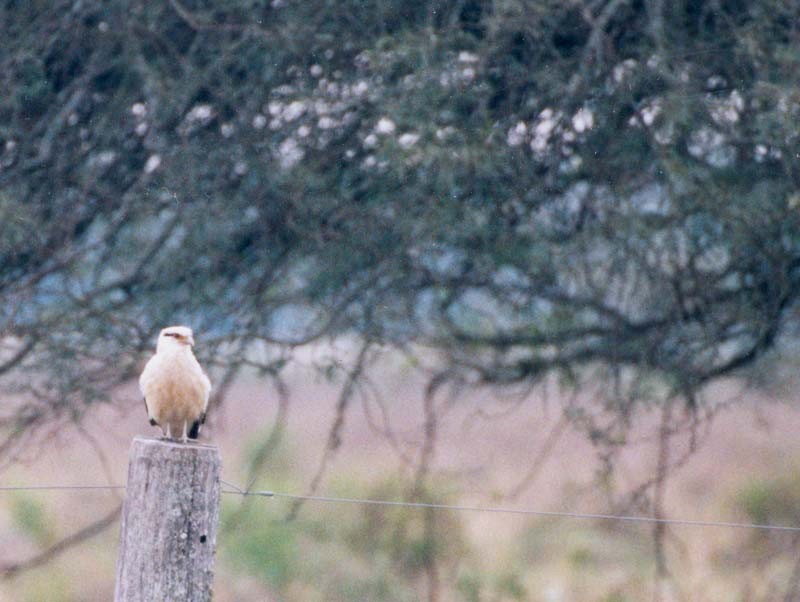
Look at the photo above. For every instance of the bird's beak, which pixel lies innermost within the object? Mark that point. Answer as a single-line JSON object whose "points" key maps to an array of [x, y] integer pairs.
{"points": [[190, 341]]}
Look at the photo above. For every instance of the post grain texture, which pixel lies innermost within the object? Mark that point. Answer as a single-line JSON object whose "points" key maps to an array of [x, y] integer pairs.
{"points": [[169, 523]]}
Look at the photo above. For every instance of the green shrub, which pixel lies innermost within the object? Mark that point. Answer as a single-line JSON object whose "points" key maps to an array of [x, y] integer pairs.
{"points": [[773, 501], [469, 587], [261, 545], [28, 515]]}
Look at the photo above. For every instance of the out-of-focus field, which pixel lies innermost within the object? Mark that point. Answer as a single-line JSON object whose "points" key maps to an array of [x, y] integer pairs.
{"points": [[744, 470]]}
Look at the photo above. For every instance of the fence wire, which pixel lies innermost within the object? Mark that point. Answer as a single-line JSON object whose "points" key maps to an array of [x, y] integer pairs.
{"points": [[234, 490]]}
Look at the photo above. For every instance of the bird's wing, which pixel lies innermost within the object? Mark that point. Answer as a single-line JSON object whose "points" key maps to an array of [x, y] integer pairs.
{"points": [[205, 382], [146, 379], [207, 388]]}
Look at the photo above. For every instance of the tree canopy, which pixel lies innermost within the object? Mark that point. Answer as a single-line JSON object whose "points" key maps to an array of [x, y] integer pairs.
{"points": [[522, 186]]}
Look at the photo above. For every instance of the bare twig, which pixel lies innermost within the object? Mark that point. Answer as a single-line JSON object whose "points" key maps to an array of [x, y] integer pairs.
{"points": [[20, 354], [370, 392], [262, 454], [199, 25], [793, 589], [539, 461], [335, 433], [660, 528], [429, 441]]}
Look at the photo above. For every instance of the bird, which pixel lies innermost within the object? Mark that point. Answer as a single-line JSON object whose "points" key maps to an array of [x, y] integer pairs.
{"points": [[174, 386]]}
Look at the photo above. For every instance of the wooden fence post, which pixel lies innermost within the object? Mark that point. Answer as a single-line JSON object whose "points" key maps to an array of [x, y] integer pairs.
{"points": [[169, 523]]}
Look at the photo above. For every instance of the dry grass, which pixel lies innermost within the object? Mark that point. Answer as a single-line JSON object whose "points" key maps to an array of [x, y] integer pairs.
{"points": [[478, 459]]}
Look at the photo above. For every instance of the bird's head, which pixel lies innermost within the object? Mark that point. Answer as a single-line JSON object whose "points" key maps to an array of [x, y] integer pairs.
{"points": [[175, 336]]}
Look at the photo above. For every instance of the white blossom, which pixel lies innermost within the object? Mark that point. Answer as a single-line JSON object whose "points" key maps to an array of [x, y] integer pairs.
{"points": [[316, 70], [105, 158], [650, 111], [654, 61], [385, 126], [294, 110], [139, 109], [623, 69], [516, 135], [543, 130], [201, 112], [445, 132], [290, 153], [727, 110], [259, 121], [408, 140], [361, 60], [583, 120], [712, 146], [152, 163], [467, 57], [371, 141]]}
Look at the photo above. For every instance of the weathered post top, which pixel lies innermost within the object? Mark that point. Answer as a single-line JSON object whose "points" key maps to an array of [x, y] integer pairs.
{"points": [[169, 522]]}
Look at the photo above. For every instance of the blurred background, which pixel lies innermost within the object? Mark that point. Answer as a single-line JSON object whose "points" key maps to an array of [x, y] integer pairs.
{"points": [[530, 254]]}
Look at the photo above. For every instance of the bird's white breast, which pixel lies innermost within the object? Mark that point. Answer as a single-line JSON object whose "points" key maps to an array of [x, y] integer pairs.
{"points": [[174, 387]]}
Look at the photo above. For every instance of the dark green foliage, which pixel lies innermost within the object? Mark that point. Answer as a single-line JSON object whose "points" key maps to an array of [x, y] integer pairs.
{"points": [[525, 186]]}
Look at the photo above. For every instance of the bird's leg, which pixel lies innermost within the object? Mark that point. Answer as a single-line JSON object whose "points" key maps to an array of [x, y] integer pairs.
{"points": [[183, 437], [167, 432]]}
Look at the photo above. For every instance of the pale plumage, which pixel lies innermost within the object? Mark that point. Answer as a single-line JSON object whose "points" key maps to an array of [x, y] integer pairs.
{"points": [[174, 386]]}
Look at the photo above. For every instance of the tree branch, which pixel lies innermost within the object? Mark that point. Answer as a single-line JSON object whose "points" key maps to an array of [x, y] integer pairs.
{"points": [[12, 570]]}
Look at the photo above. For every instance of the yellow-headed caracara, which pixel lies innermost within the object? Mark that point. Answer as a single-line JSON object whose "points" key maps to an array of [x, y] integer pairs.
{"points": [[174, 386]]}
